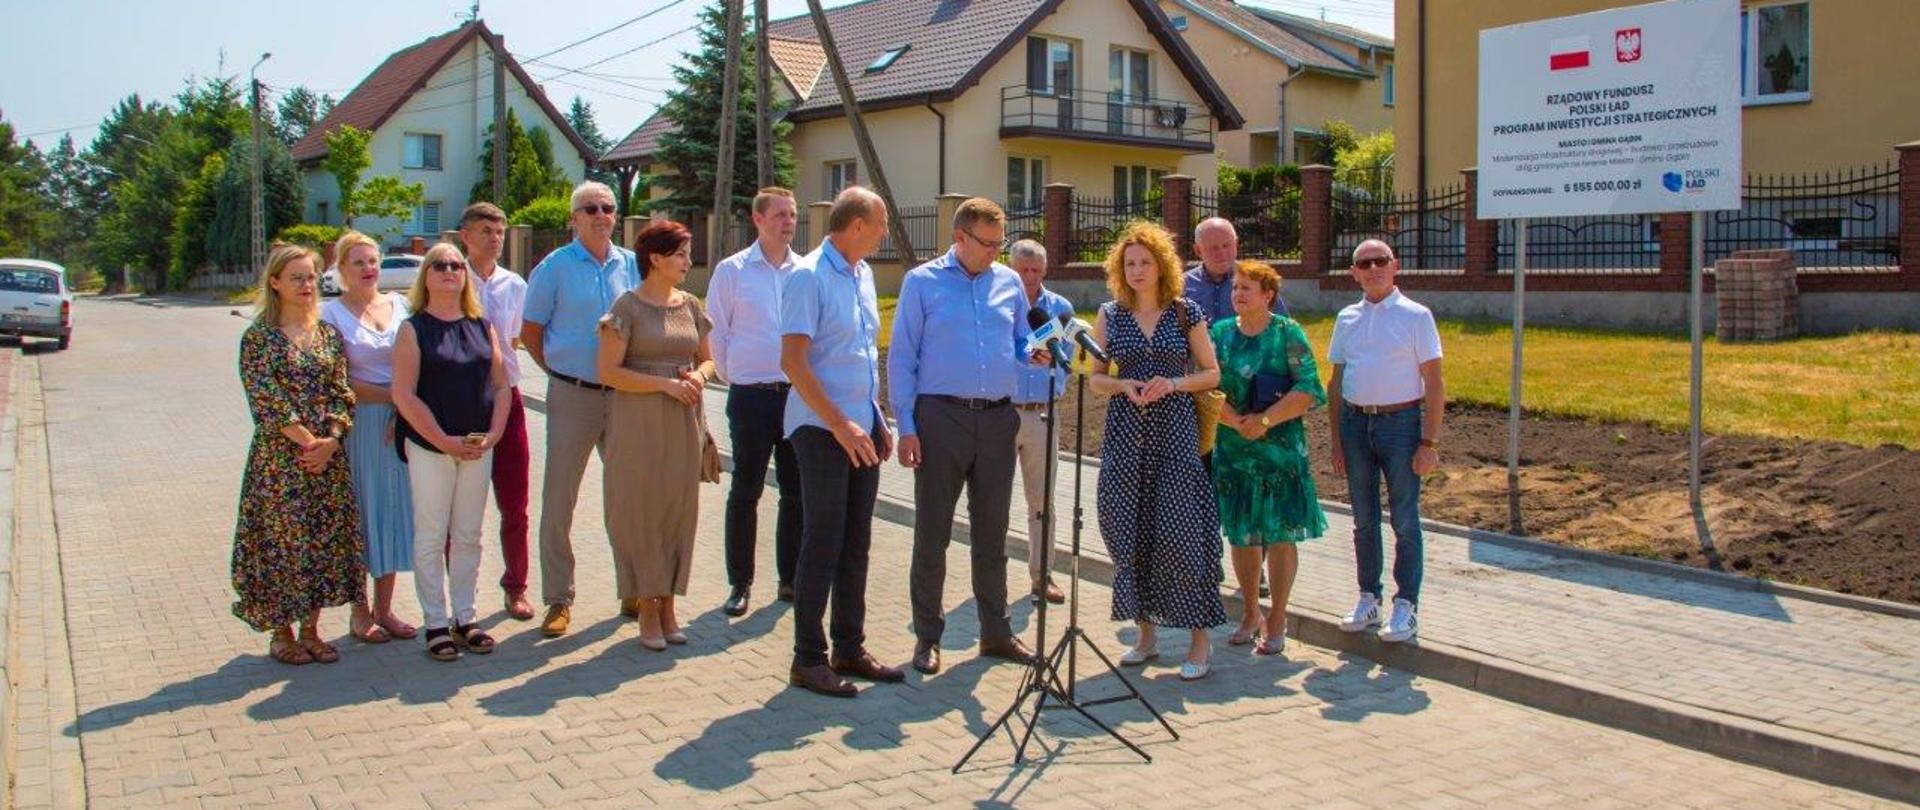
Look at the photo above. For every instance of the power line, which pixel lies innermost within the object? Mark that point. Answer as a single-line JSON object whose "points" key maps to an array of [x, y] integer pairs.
{"points": [[636, 48], [592, 37]]}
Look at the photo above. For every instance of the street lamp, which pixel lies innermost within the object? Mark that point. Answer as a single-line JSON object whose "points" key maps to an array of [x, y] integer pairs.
{"points": [[259, 234]]}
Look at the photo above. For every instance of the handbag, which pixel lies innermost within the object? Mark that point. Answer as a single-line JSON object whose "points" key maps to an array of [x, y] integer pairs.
{"points": [[709, 460], [1206, 404], [1266, 388]]}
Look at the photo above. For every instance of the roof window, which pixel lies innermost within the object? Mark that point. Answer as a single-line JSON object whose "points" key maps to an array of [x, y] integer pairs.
{"points": [[886, 60]]}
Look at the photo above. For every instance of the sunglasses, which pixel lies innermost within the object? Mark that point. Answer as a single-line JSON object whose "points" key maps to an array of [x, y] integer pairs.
{"points": [[597, 209], [1370, 263], [446, 266]]}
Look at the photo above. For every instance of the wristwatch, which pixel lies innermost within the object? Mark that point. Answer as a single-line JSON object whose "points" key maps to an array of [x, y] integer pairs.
{"points": [[1266, 421], [1430, 444]]}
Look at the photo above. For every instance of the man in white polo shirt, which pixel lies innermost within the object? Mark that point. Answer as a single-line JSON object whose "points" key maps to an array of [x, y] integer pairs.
{"points": [[1386, 400]]}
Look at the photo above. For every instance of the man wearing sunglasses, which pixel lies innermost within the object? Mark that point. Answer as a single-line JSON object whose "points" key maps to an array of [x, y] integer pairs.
{"points": [[568, 292], [952, 371], [1385, 401]]}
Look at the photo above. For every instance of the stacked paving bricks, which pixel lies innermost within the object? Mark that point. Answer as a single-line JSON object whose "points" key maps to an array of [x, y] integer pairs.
{"points": [[1758, 296]]}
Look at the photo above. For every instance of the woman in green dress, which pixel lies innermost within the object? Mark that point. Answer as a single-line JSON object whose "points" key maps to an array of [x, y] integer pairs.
{"points": [[1262, 480]]}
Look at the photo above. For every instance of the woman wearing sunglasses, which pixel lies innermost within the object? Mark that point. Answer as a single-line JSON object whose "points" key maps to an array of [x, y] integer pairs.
{"points": [[451, 390]]}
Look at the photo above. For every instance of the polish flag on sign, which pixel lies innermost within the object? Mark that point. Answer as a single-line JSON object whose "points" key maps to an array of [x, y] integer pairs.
{"points": [[1567, 53]]}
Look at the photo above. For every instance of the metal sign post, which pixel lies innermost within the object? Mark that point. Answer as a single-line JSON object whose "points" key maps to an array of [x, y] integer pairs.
{"points": [[1693, 394], [1513, 392]]}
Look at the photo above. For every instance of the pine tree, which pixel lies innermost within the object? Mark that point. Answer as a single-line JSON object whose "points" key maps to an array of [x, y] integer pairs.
{"points": [[692, 146], [298, 111], [580, 117], [531, 170], [24, 209]]}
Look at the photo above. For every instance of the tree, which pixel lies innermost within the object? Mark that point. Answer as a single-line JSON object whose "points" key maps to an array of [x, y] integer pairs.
{"points": [[298, 111], [692, 146], [580, 117], [113, 157], [385, 197], [187, 245], [531, 170], [229, 238], [139, 227], [24, 209], [70, 228], [347, 158]]}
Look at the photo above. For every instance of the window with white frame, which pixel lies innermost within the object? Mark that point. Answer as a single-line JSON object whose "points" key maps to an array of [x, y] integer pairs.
{"points": [[1050, 65], [1132, 184], [1776, 53], [1026, 182], [420, 150], [426, 219], [840, 174]]}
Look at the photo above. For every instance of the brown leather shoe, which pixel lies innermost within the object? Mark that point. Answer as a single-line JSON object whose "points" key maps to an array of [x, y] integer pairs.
{"points": [[1013, 649], [555, 624], [926, 656], [518, 606], [868, 667], [820, 679], [1049, 592]]}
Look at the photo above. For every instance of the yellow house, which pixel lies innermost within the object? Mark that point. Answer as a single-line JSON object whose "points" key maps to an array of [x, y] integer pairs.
{"points": [[1826, 83], [1288, 75], [995, 98]]}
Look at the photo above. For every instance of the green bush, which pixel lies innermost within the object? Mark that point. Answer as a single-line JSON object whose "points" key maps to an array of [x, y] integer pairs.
{"points": [[309, 235], [545, 214]]}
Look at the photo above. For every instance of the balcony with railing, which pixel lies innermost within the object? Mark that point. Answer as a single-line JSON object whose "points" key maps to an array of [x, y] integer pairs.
{"points": [[1105, 117]]}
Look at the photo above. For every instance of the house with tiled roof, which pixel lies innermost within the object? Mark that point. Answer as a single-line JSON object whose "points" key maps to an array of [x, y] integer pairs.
{"points": [[429, 107], [996, 98], [1289, 75]]}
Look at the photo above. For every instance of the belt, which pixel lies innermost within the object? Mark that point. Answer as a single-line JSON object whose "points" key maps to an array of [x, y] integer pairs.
{"points": [[1030, 406], [591, 386], [776, 387], [1379, 410], [973, 404]]}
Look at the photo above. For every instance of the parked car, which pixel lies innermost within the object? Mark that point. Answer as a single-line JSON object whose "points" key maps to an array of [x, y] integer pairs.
{"points": [[35, 301], [397, 272]]}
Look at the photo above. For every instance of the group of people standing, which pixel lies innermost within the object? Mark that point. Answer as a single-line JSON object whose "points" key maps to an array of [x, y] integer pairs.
{"points": [[420, 393]]}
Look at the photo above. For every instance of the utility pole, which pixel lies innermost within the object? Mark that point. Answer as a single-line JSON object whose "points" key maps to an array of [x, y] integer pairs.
{"points": [[895, 227], [763, 105], [258, 201], [500, 136], [729, 111]]}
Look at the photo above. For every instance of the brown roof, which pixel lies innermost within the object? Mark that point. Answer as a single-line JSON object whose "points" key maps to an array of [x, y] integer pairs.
{"points": [[1276, 39], [384, 91], [642, 142], [1347, 32], [951, 43], [800, 62]]}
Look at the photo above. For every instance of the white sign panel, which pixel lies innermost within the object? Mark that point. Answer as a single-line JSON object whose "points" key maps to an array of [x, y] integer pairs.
{"points": [[1625, 111]]}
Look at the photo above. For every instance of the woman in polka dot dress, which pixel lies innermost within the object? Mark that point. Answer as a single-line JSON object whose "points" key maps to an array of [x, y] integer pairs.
{"points": [[1156, 504]]}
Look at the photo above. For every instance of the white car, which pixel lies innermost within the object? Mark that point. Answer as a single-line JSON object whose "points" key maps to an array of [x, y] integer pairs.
{"points": [[35, 301], [397, 272]]}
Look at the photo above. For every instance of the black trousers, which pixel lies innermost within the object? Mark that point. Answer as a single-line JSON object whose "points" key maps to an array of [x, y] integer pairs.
{"points": [[974, 450], [754, 420], [836, 532]]}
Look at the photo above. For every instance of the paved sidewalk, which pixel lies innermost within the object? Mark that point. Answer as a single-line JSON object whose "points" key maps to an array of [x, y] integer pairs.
{"points": [[1829, 677], [174, 704]]}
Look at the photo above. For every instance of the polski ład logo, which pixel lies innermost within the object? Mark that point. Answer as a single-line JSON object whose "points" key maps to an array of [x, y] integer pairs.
{"points": [[1671, 181], [1626, 45]]}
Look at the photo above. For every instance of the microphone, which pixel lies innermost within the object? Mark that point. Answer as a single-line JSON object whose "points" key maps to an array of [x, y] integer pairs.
{"points": [[1045, 331], [1081, 334]]}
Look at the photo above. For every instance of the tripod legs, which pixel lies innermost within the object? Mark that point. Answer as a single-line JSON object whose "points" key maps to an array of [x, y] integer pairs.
{"points": [[1043, 683]]}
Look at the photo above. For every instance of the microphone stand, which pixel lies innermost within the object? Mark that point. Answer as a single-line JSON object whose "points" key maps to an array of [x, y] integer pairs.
{"points": [[1042, 680]]}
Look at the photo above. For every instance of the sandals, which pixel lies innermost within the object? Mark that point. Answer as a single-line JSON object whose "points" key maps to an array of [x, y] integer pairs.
{"points": [[440, 645], [473, 639], [286, 650], [319, 650], [396, 628], [373, 633], [1271, 645], [1243, 635]]}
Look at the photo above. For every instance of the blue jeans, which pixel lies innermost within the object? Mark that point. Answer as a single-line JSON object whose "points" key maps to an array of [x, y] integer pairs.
{"points": [[1376, 447]]}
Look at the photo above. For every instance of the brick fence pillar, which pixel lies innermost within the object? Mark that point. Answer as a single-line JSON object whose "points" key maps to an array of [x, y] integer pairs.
{"points": [[1316, 219], [1176, 211], [1483, 235], [1057, 220], [1676, 244], [452, 238], [417, 245], [944, 207], [630, 227], [520, 248], [817, 215], [1909, 207]]}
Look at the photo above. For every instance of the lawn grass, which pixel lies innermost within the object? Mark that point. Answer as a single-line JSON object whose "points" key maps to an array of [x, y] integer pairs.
{"points": [[1862, 389]]}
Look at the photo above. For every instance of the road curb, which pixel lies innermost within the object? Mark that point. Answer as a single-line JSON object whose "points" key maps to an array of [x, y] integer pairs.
{"points": [[9, 465]]}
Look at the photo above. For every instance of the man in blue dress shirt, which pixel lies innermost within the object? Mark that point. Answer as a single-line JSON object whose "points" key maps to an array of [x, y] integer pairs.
{"points": [[952, 371], [566, 295], [829, 350], [1210, 282], [1029, 259]]}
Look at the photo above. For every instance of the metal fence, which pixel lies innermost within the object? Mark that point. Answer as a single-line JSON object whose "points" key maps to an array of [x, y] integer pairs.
{"points": [[1267, 222], [1602, 245], [1843, 221], [1027, 223], [918, 221], [541, 242], [1427, 234], [1098, 221]]}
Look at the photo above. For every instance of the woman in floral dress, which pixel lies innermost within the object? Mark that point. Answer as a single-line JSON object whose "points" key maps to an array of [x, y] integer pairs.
{"points": [[1261, 477], [296, 544]]}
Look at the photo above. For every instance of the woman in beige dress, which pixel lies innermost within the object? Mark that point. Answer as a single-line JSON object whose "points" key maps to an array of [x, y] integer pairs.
{"points": [[653, 353]]}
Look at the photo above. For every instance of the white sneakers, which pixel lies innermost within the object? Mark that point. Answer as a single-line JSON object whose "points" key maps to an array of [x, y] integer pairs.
{"points": [[1365, 615], [1402, 625]]}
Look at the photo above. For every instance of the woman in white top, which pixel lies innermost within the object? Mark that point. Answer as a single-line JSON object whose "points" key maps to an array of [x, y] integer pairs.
{"points": [[369, 322]]}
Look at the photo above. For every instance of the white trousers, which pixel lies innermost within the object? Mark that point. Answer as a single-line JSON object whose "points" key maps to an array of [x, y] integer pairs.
{"points": [[1035, 456], [449, 502]]}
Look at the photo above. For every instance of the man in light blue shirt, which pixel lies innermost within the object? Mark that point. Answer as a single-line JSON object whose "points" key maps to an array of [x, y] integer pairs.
{"points": [[1029, 259], [952, 370], [830, 328], [566, 295]]}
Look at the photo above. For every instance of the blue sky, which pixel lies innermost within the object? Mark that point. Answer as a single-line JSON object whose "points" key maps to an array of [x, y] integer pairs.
{"points": [[65, 63]]}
